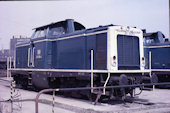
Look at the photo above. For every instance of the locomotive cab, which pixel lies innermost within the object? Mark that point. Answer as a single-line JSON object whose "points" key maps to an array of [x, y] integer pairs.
{"points": [[57, 29], [153, 38], [157, 47]]}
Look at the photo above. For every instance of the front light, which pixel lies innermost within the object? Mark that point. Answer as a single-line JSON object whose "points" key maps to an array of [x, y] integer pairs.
{"points": [[143, 61], [114, 61]]}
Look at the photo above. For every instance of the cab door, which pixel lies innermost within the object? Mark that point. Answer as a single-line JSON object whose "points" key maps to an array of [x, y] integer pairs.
{"points": [[31, 51], [37, 51]]}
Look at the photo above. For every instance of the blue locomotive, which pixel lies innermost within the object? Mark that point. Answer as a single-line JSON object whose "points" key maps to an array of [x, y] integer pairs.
{"points": [[158, 46], [65, 54]]}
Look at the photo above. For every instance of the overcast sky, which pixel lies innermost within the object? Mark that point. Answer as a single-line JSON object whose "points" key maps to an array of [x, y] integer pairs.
{"points": [[20, 17]]}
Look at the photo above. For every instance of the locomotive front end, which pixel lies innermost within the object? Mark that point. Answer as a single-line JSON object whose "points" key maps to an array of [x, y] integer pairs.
{"points": [[125, 58], [125, 49]]}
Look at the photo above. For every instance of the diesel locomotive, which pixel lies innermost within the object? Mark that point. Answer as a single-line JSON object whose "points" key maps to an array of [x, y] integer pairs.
{"points": [[65, 55], [158, 47]]}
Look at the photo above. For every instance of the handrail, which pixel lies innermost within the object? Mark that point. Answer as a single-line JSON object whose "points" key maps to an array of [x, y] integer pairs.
{"points": [[33, 56], [28, 64], [92, 76], [107, 79], [89, 88]]}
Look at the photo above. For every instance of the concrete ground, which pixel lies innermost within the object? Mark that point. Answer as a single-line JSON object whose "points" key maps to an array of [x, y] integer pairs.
{"points": [[156, 101]]}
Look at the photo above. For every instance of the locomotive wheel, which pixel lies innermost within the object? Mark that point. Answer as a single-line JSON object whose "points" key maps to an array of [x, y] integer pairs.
{"points": [[154, 78], [123, 80], [92, 97]]}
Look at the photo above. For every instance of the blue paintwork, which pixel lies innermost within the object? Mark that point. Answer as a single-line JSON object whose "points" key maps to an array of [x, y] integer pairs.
{"points": [[71, 53], [22, 59], [160, 55]]}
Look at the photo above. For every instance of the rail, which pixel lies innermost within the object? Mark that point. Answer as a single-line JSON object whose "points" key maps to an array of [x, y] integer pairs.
{"points": [[89, 88]]}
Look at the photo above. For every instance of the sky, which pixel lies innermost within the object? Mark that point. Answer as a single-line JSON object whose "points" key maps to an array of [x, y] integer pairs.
{"points": [[20, 17]]}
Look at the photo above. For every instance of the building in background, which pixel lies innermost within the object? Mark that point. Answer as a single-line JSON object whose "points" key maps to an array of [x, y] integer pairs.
{"points": [[4, 54]]}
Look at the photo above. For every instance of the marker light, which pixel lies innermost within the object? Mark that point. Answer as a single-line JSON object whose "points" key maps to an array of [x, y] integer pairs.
{"points": [[114, 57], [114, 61], [143, 61], [143, 58]]}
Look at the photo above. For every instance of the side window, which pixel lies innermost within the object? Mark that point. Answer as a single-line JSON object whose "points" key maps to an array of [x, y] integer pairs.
{"points": [[39, 33], [42, 33], [36, 34], [148, 41], [56, 31]]}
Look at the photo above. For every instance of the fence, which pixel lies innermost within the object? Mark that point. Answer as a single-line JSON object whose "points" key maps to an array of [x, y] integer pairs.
{"points": [[89, 88]]}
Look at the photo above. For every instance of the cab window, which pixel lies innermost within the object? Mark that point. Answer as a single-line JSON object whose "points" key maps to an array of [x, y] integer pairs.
{"points": [[42, 33], [39, 33], [56, 31], [148, 41]]}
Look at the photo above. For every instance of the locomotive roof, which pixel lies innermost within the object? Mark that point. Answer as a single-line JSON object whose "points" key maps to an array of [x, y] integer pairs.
{"points": [[152, 34], [61, 23], [79, 29]]}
